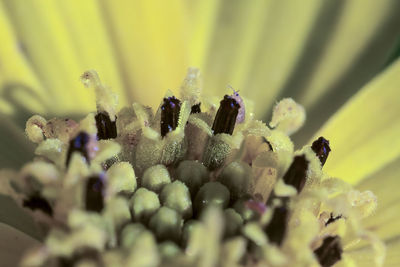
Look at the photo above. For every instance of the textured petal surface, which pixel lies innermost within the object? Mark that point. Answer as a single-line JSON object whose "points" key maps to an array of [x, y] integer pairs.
{"points": [[365, 256], [364, 133], [385, 184]]}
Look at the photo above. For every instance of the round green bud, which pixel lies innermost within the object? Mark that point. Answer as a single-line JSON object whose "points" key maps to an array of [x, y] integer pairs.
{"points": [[168, 249], [192, 173], [176, 196], [237, 177], [121, 178], [144, 203], [211, 193], [130, 233], [155, 177], [241, 208], [233, 222], [166, 224]]}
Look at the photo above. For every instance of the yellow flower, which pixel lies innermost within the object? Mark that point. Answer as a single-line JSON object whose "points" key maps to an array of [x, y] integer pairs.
{"points": [[323, 54]]}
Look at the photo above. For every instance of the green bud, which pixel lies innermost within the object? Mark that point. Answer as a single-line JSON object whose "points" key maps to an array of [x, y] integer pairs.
{"points": [[155, 177], [176, 196], [144, 204], [166, 224], [233, 222], [212, 193], [237, 177], [168, 249], [130, 234], [121, 178], [192, 173]]}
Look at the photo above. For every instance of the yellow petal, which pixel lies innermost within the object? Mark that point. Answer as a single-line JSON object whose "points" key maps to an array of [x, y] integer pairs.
{"points": [[151, 39], [43, 35], [255, 46], [13, 245], [61, 41], [19, 87], [385, 184], [203, 17], [364, 133], [365, 256], [340, 55]]}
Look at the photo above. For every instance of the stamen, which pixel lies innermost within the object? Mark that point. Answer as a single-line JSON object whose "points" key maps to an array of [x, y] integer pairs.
{"points": [[94, 194], [196, 108], [78, 144], [296, 174], [106, 129], [169, 114], [37, 202], [225, 119], [330, 251], [276, 228], [321, 149]]}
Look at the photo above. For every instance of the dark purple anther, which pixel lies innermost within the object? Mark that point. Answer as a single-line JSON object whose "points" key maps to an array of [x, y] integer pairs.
{"points": [[78, 144], [329, 252], [106, 129], [36, 201], [296, 174], [94, 194], [321, 149], [169, 114], [225, 119], [195, 108], [276, 228]]}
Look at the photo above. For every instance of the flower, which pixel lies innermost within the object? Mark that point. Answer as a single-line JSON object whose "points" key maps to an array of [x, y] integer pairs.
{"points": [[354, 134]]}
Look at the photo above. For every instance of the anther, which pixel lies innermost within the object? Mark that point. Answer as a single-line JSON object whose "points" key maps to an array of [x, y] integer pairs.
{"points": [[276, 228], [106, 129], [78, 144], [296, 174], [330, 251], [225, 119], [94, 194], [169, 114], [195, 108], [321, 149], [38, 202]]}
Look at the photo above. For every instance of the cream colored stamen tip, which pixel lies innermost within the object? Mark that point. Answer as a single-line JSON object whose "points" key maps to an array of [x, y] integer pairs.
{"points": [[34, 128]]}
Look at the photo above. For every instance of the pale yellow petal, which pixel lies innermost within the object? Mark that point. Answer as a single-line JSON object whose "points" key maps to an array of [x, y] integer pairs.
{"points": [[255, 46], [44, 38], [92, 43], [364, 133], [151, 39], [385, 184], [19, 87], [365, 256], [354, 32], [13, 245], [201, 17]]}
